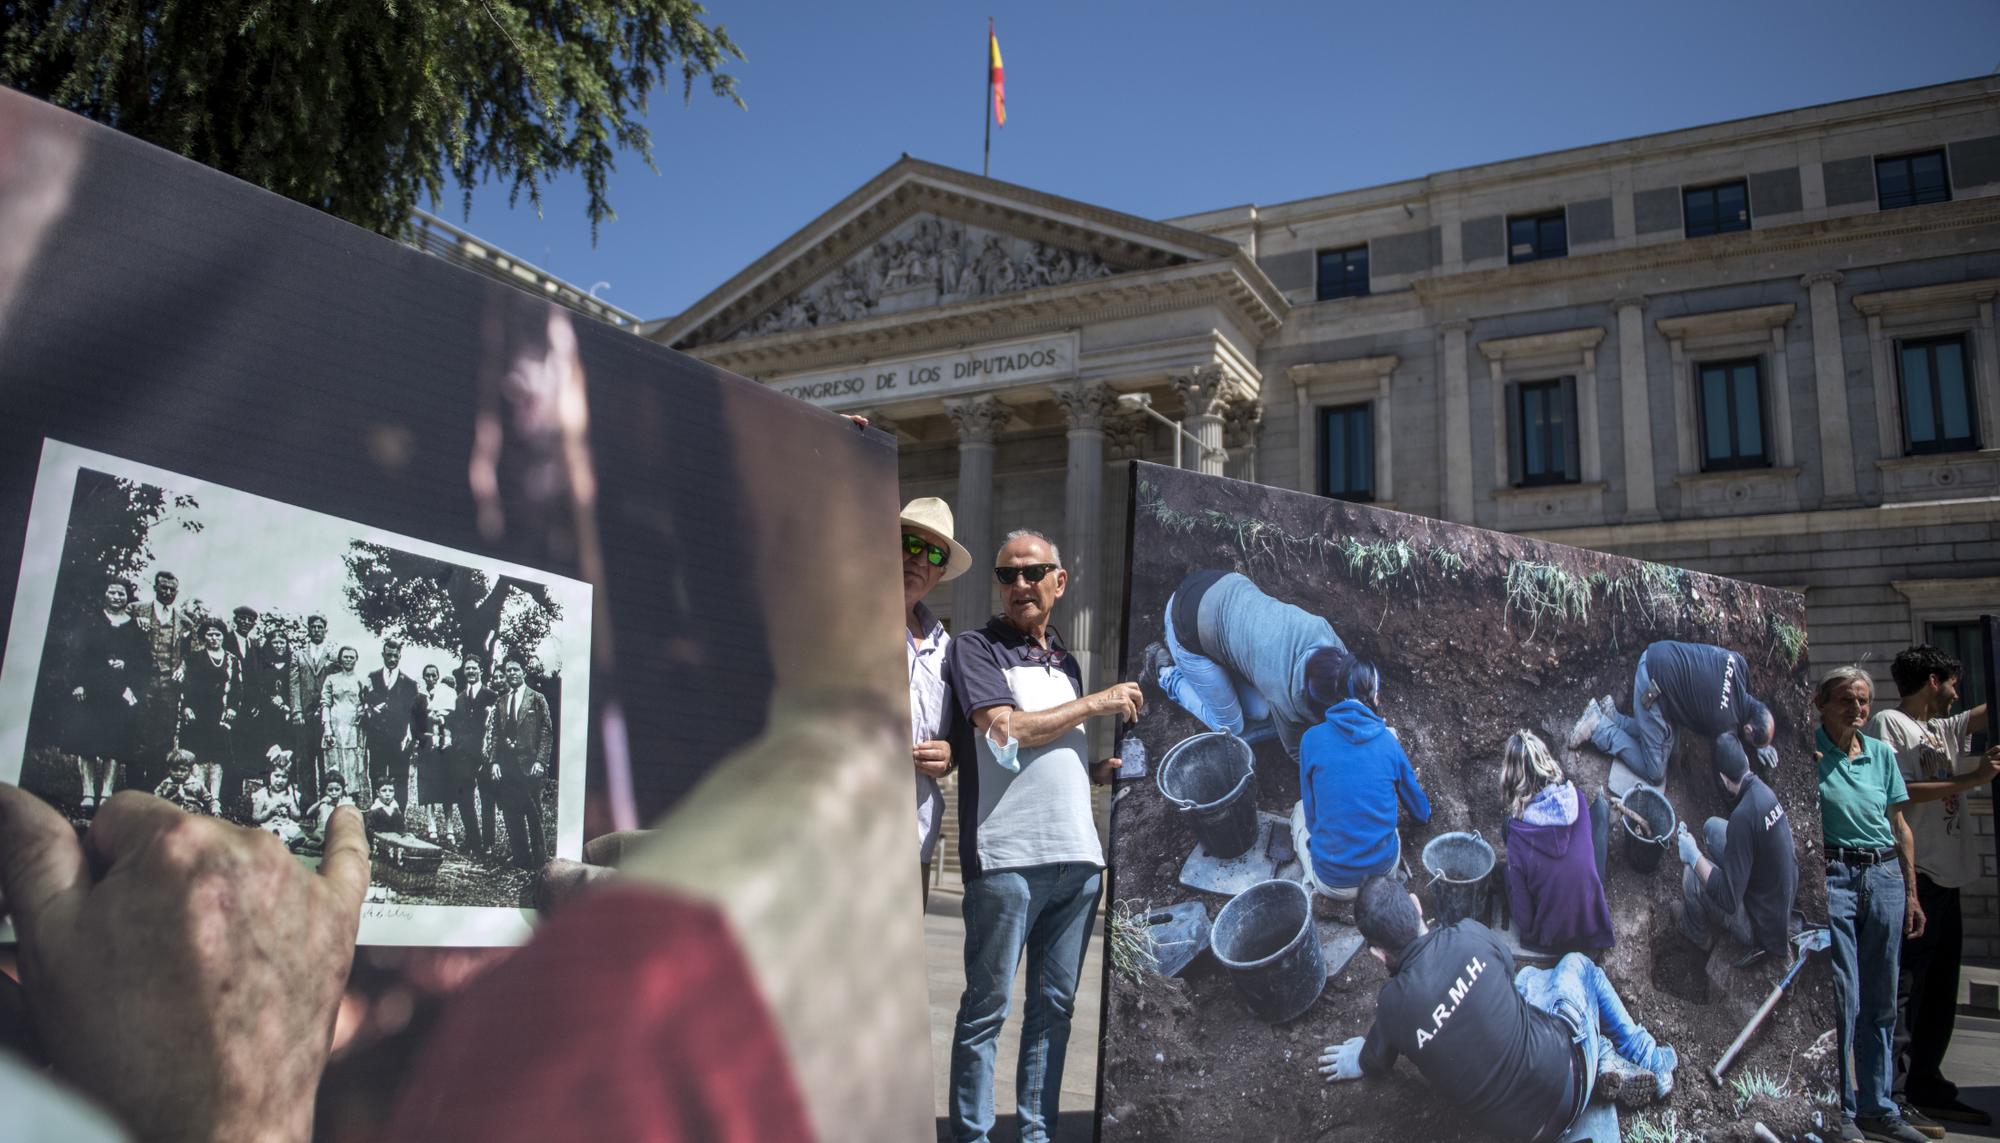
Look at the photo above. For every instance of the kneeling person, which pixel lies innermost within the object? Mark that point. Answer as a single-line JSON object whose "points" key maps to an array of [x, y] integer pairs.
{"points": [[1746, 882], [1522, 1053], [1353, 776]]}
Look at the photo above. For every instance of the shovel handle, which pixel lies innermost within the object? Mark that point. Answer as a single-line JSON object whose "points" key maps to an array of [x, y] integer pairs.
{"points": [[1638, 819]]}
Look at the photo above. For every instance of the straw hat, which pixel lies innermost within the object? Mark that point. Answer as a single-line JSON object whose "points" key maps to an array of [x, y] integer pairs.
{"points": [[934, 516]]}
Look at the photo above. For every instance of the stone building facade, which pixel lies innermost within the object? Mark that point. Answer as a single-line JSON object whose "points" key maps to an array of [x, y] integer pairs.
{"points": [[1762, 348]]}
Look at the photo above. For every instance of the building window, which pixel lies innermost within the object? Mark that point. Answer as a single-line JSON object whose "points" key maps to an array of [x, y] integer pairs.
{"points": [[1537, 236], [1911, 180], [1938, 414], [1347, 452], [1730, 395], [1343, 273], [1542, 427], [1965, 641], [1717, 209]]}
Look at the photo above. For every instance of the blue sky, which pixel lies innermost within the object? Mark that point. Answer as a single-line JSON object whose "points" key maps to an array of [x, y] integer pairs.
{"points": [[1169, 108]]}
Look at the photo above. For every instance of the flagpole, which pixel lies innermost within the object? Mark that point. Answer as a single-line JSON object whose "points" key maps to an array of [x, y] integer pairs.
{"points": [[986, 61]]}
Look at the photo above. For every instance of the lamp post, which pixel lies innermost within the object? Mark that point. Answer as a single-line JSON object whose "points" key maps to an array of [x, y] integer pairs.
{"points": [[1144, 403]]}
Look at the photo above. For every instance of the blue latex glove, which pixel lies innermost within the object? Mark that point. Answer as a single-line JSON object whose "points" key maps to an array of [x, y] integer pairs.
{"points": [[1690, 852], [1341, 1061]]}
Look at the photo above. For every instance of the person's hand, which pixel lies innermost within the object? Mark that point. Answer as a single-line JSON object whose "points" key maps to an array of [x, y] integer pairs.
{"points": [[1913, 917], [932, 758], [1102, 772], [1341, 1061], [245, 956], [117, 664], [1989, 766], [1690, 852], [1125, 700], [77, 694], [496, 771]]}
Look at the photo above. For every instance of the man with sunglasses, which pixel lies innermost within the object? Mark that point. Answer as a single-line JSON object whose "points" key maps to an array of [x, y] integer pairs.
{"points": [[930, 556], [1028, 842]]}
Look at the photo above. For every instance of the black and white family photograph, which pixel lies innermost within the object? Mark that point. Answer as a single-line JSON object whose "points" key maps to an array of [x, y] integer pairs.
{"points": [[264, 664]]}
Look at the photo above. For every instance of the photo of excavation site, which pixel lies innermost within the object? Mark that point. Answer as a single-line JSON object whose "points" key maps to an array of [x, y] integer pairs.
{"points": [[1595, 776]]}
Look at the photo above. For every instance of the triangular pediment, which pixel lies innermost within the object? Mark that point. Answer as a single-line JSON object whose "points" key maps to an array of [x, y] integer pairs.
{"points": [[920, 237]]}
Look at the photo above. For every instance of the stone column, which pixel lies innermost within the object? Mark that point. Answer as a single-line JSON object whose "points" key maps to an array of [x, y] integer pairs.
{"points": [[1635, 408], [1241, 417], [1836, 436], [1205, 392], [1455, 426], [978, 420], [1085, 405]]}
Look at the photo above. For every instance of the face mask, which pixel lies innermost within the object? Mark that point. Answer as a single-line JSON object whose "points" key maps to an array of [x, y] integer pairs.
{"points": [[1000, 740]]}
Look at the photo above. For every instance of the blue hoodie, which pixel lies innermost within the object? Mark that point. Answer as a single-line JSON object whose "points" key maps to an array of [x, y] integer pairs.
{"points": [[1352, 773]]}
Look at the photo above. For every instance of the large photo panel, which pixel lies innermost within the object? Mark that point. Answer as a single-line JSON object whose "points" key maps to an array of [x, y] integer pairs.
{"points": [[696, 574], [1347, 706]]}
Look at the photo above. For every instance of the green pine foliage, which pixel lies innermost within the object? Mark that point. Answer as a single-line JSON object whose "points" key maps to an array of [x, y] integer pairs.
{"points": [[360, 108]]}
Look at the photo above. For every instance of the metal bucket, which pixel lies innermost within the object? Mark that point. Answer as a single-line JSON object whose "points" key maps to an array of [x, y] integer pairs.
{"points": [[1645, 853], [1460, 865], [1265, 938], [1213, 779]]}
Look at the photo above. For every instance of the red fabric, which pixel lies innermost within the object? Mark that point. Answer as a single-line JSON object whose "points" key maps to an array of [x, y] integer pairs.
{"points": [[630, 1016]]}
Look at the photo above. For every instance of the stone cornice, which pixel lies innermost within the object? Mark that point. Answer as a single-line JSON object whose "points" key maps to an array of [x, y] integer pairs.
{"points": [[906, 188], [1980, 588], [1010, 315], [1566, 341], [1723, 322], [1339, 372], [1640, 260], [1927, 297], [1911, 514]]}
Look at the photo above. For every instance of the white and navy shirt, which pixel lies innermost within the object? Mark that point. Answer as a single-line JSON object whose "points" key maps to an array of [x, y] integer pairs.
{"points": [[1041, 815]]}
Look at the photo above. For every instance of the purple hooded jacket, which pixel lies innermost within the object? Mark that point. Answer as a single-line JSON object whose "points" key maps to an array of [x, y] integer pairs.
{"points": [[1552, 881]]}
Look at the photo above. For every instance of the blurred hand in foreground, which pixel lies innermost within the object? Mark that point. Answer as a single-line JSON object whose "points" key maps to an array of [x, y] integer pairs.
{"points": [[183, 971]]}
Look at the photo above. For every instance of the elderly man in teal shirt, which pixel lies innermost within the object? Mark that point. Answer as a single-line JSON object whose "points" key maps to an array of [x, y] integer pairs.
{"points": [[1871, 897]]}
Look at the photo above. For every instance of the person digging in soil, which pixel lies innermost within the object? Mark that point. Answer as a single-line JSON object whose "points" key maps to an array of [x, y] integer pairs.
{"points": [[1523, 1053], [1555, 879], [1353, 775], [1699, 686], [1746, 882], [1245, 663]]}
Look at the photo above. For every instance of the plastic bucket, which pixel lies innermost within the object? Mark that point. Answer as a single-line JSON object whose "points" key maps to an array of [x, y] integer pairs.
{"points": [[1265, 939], [1645, 852], [1213, 780], [1461, 867]]}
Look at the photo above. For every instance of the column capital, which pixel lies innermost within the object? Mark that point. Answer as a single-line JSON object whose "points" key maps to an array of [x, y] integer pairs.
{"points": [[1202, 390], [1125, 436], [1086, 404], [1631, 301], [1830, 277], [978, 420], [1455, 325], [1240, 418]]}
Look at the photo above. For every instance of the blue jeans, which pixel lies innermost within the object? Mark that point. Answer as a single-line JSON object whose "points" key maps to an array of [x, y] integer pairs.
{"points": [[1865, 905], [1577, 992], [1046, 910], [1644, 739], [1208, 690]]}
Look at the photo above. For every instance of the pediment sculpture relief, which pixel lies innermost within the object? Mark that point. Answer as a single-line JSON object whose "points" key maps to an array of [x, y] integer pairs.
{"points": [[927, 262]]}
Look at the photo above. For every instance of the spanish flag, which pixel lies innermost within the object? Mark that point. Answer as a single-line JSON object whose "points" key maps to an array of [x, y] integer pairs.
{"points": [[996, 78]]}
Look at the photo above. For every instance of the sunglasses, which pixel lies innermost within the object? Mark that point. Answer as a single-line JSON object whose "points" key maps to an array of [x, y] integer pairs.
{"points": [[914, 544], [1033, 573]]}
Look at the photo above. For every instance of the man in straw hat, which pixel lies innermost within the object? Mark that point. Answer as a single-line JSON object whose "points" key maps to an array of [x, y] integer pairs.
{"points": [[930, 557]]}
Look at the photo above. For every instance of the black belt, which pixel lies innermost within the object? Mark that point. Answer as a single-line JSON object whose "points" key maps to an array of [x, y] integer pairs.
{"points": [[1850, 856]]}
